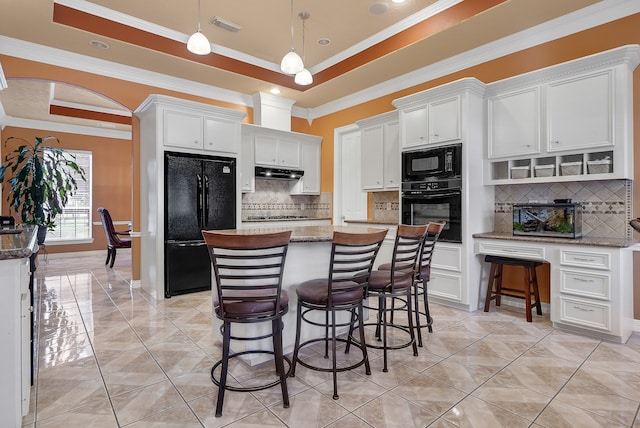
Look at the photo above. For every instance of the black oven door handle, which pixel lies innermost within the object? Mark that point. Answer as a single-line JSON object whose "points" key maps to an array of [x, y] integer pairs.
{"points": [[430, 195]]}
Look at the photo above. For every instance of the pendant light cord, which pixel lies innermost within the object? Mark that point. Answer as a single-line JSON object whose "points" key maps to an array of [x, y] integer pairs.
{"points": [[292, 48], [199, 15]]}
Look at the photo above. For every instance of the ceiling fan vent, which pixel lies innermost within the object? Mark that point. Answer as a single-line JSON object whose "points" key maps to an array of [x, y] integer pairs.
{"points": [[225, 24]]}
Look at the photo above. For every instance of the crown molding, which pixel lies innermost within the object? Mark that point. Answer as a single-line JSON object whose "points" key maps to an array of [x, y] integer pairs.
{"points": [[3, 80], [63, 127]]}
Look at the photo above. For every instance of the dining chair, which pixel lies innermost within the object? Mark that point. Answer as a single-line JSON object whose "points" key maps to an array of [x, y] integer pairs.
{"points": [[396, 284], [114, 240], [343, 290], [248, 273]]}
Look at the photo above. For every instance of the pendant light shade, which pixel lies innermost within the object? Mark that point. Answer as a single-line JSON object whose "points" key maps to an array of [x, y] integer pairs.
{"points": [[304, 78], [291, 63], [198, 42]]}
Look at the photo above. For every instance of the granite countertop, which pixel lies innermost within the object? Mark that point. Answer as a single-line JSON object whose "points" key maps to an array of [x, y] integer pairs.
{"points": [[600, 242], [18, 245], [260, 219], [386, 223], [304, 233]]}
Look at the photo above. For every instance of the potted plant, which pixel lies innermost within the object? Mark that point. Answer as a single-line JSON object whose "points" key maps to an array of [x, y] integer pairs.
{"points": [[42, 180]]}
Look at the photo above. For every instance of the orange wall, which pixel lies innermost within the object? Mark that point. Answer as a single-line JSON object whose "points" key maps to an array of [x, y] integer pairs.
{"points": [[112, 168]]}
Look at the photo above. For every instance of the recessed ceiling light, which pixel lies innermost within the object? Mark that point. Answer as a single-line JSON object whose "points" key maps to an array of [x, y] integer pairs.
{"points": [[397, 1], [275, 91], [99, 44], [324, 42], [378, 8]]}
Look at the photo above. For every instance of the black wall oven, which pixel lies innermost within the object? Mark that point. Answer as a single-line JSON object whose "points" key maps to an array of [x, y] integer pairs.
{"points": [[434, 200]]}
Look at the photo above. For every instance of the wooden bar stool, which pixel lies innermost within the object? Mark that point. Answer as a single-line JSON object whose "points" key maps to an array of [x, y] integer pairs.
{"points": [[495, 289]]}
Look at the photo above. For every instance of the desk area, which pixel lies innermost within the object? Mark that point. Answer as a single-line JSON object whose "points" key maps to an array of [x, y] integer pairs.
{"points": [[591, 280]]}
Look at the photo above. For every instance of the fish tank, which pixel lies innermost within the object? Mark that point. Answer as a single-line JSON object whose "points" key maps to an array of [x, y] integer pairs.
{"points": [[558, 220]]}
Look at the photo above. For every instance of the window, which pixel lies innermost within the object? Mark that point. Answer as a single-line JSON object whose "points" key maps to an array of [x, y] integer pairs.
{"points": [[74, 224]]}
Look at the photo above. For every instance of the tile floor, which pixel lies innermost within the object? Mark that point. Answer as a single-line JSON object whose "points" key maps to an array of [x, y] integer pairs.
{"points": [[109, 356]]}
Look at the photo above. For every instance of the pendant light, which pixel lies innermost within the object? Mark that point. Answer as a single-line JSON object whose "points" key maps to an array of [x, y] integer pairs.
{"points": [[303, 77], [291, 62], [198, 42]]}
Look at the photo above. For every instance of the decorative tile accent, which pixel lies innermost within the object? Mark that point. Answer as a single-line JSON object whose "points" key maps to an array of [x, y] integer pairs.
{"points": [[386, 207], [272, 198], [606, 204]]}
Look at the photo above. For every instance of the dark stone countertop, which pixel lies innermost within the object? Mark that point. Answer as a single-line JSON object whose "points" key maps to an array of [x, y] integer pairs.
{"points": [[283, 218], [599, 242], [384, 223], [18, 245], [304, 233]]}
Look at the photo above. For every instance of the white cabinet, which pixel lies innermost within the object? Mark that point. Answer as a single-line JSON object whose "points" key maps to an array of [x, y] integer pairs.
{"points": [[278, 151], [514, 123], [594, 291], [580, 112], [445, 281], [380, 153], [281, 149], [173, 124], [430, 121], [569, 122], [309, 184], [247, 165], [444, 120], [15, 330], [194, 130]]}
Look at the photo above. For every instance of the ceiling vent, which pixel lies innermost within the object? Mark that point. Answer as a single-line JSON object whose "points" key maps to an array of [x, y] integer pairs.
{"points": [[225, 24]]}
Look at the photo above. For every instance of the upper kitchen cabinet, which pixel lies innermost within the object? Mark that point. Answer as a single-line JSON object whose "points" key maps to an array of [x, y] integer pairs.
{"points": [[380, 152], [309, 184], [580, 112], [277, 151], [514, 123], [198, 127], [436, 115], [281, 149], [568, 122]]}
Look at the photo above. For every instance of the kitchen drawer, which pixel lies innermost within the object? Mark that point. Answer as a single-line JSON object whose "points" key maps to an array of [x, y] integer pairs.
{"points": [[447, 257], [446, 286], [585, 284], [519, 251], [586, 259], [584, 313]]}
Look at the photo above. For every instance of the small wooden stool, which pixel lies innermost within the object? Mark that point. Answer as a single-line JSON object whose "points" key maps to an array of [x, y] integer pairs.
{"points": [[530, 283]]}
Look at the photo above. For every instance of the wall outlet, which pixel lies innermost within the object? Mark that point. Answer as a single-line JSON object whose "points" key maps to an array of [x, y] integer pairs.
{"points": [[388, 205], [302, 206]]}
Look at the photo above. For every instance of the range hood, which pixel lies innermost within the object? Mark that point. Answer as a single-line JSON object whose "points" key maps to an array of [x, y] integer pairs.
{"points": [[278, 173]]}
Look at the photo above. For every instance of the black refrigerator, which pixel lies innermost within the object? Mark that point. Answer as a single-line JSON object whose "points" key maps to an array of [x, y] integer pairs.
{"points": [[200, 194]]}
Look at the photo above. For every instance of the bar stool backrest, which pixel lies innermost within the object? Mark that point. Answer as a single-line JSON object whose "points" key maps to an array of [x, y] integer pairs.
{"points": [[247, 274], [426, 254], [406, 249], [352, 258]]}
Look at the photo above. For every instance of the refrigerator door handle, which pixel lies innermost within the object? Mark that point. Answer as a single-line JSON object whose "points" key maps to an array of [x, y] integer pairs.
{"points": [[191, 244], [199, 196], [206, 201]]}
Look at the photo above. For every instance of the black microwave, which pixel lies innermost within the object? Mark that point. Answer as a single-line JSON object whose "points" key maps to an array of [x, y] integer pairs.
{"points": [[437, 162]]}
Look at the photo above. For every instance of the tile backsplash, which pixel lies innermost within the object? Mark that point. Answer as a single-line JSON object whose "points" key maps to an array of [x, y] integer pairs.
{"points": [[606, 204], [272, 198], [386, 207]]}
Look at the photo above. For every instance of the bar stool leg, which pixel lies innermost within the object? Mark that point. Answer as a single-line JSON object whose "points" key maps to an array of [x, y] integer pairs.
{"points": [[492, 279], [527, 293], [416, 305], [225, 367], [536, 290], [276, 325]]}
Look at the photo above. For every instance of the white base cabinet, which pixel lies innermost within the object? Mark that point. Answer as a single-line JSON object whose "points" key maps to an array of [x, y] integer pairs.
{"points": [[591, 287], [15, 352]]}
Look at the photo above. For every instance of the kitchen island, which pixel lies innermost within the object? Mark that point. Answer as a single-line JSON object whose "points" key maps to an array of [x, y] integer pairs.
{"points": [[591, 279], [307, 258], [15, 324]]}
